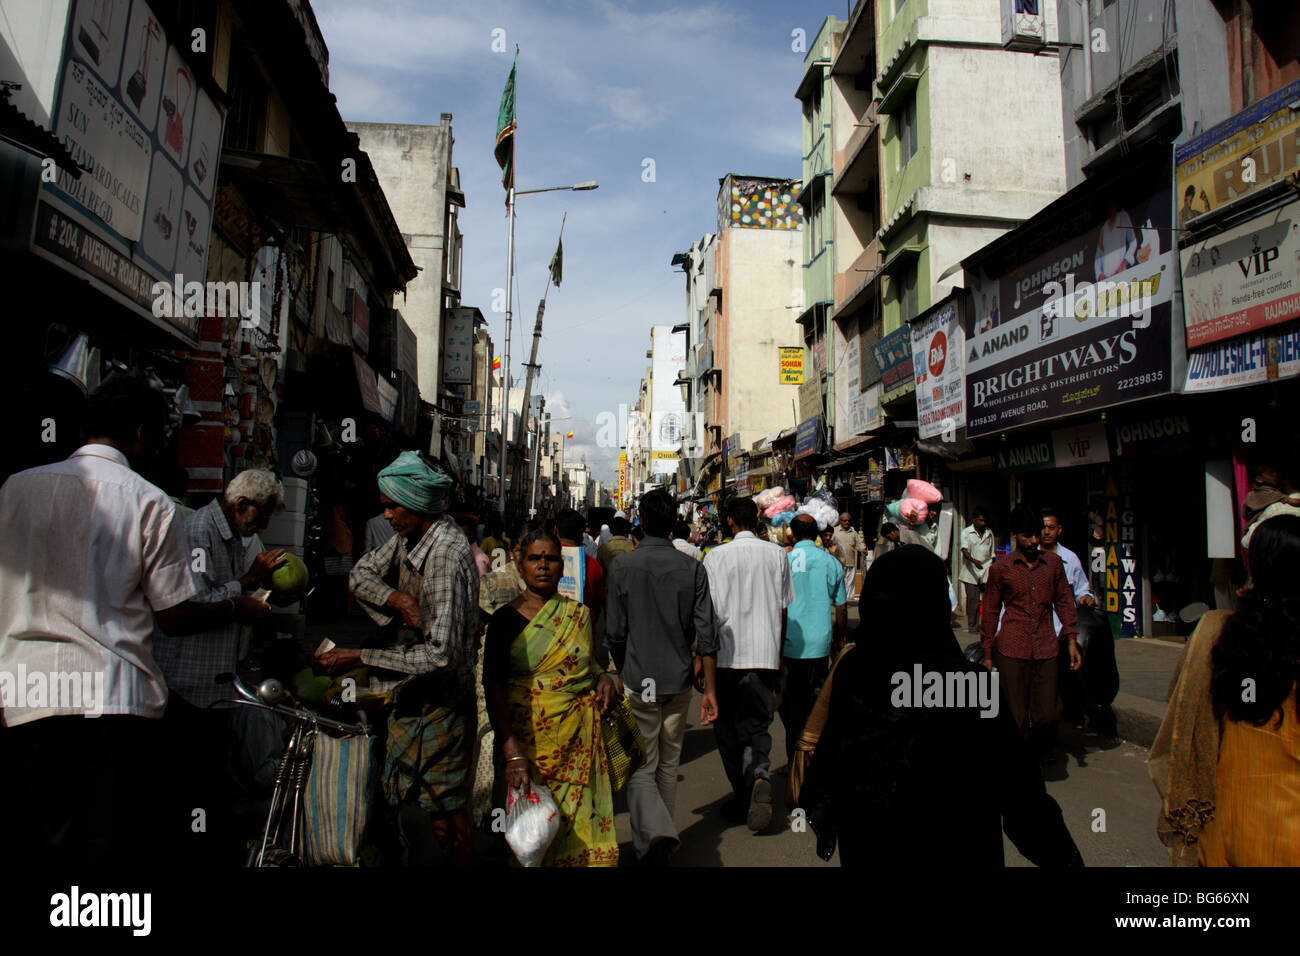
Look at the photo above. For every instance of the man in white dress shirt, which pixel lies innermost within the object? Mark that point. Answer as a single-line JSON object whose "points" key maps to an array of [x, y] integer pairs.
{"points": [[977, 551], [751, 586], [91, 557], [1049, 540]]}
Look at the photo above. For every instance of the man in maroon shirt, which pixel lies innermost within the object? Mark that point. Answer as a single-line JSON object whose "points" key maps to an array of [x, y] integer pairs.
{"points": [[1029, 584]]}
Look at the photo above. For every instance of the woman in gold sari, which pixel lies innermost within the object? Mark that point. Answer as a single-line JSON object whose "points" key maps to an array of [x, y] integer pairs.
{"points": [[545, 696]]}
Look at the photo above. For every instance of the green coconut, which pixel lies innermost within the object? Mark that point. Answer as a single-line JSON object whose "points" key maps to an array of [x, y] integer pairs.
{"points": [[290, 575]]}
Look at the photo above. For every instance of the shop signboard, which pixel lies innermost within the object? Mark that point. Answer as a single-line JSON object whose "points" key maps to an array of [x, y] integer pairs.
{"points": [[1243, 154], [791, 363], [937, 340], [1087, 323], [458, 347], [1243, 280], [1263, 357], [667, 406], [808, 438], [1061, 448], [1118, 559], [810, 398], [900, 459], [131, 108], [893, 356], [864, 410], [1152, 435]]}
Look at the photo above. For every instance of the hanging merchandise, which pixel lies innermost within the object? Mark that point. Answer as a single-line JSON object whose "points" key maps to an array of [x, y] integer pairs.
{"points": [[784, 503], [175, 133], [822, 511], [137, 85], [876, 481], [768, 495]]}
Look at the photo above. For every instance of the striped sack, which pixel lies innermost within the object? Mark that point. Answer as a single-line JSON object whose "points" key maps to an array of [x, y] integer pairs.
{"points": [[337, 801]]}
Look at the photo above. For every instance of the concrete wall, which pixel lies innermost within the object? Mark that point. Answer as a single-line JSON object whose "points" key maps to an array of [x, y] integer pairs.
{"points": [[1203, 68], [413, 163], [763, 266]]}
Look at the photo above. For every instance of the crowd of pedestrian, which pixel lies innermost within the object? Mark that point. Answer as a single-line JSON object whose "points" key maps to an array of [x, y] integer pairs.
{"points": [[494, 673]]}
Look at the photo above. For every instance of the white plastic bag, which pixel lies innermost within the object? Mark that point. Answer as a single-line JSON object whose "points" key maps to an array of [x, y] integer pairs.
{"points": [[531, 823]]}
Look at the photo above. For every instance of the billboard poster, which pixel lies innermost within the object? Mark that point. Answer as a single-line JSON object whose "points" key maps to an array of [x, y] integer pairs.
{"points": [[1081, 327], [1263, 357], [130, 107], [937, 340], [667, 407], [791, 362], [1244, 153], [808, 438], [1244, 279], [458, 347], [893, 355]]}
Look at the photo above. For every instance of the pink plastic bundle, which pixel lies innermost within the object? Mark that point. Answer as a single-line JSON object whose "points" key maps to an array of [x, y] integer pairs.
{"points": [[784, 503], [913, 510], [924, 491], [767, 496]]}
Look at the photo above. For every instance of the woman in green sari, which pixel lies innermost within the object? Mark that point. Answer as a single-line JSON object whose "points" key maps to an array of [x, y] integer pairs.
{"points": [[545, 696]]}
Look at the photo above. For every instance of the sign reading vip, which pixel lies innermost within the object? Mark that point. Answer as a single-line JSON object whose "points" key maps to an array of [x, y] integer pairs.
{"points": [[131, 108], [1243, 280]]}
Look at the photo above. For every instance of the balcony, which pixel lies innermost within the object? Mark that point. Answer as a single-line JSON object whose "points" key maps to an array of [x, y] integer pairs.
{"points": [[859, 162], [852, 283]]}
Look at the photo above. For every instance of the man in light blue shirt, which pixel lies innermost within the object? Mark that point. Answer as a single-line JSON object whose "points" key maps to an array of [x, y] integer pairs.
{"points": [[1048, 540], [816, 619]]}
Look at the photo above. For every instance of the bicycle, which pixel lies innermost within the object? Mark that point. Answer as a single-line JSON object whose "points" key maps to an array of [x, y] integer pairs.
{"points": [[282, 835]]}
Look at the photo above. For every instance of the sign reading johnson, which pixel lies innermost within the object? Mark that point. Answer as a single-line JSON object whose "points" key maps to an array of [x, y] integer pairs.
{"points": [[1090, 326]]}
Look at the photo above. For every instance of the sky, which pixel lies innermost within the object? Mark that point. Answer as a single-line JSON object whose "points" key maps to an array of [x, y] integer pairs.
{"points": [[603, 86]]}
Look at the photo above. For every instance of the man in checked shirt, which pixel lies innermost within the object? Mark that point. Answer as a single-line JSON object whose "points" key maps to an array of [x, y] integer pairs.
{"points": [[1030, 584], [421, 587]]}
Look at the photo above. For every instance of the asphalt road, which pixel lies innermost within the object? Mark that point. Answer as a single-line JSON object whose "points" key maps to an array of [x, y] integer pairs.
{"points": [[1092, 774]]}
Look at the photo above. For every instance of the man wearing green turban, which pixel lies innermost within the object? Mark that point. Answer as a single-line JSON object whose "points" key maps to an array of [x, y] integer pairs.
{"points": [[423, 656]]}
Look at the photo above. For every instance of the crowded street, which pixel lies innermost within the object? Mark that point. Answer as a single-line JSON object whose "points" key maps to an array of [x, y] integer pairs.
{"points": [[645, 436]]}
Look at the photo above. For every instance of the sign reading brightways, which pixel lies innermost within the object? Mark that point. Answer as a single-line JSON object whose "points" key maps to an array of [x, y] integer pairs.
{"points": [[1096, 330]]}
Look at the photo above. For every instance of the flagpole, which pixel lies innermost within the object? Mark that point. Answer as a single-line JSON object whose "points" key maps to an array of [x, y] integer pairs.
{"points": [[505, 360]]}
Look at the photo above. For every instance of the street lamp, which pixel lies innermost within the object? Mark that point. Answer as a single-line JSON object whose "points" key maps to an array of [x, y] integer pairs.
{"points": [[510, 271]]}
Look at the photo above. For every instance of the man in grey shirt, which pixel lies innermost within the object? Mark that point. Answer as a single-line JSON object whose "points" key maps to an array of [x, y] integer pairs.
{"points": [[658, 617]]}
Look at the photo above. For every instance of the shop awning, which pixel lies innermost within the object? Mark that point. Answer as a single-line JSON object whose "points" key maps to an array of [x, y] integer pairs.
{"points": [[21, 130]]}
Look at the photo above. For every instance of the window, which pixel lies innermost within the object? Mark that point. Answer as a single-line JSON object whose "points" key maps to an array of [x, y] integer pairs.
{"points": [[907, 297], [816, 217], [907, 132], [246, 120]]}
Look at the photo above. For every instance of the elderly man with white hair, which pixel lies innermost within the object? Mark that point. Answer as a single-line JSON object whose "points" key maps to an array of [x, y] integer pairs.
{"points": [[222, 569]]}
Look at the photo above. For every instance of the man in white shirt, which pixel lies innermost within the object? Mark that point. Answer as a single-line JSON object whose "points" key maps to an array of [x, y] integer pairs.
{"points": [[852, 548], [680, 536], [978, 547], [91, 557], [751, 586]]}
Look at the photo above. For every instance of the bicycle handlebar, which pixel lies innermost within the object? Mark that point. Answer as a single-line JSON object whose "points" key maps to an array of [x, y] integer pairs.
{"points": [[251, 699]]}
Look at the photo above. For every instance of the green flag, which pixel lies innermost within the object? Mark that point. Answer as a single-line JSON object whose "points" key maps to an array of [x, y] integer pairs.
{"points": [[557, 263], [505, 148]]}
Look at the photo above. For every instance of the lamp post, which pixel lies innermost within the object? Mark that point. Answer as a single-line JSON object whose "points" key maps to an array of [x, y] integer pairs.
{"points": [[510, 271]]}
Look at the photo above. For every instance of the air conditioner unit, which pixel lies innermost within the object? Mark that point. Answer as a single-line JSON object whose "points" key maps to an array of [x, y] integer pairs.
{"points": [[1023, 25]]}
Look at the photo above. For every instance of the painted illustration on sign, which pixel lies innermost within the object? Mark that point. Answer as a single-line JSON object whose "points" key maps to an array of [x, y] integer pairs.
{"points": [[177, 107], [143, 61], [893, 357], [1245, 153], [1244, 279], [1091, 324], [99, 29]]}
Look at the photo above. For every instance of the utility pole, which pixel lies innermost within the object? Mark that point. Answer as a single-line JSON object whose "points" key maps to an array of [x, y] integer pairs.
{"points": [[532, 365]]}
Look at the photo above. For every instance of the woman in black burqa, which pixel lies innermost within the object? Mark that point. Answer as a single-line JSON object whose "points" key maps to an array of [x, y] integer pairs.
{"points": [[921, 784]]}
